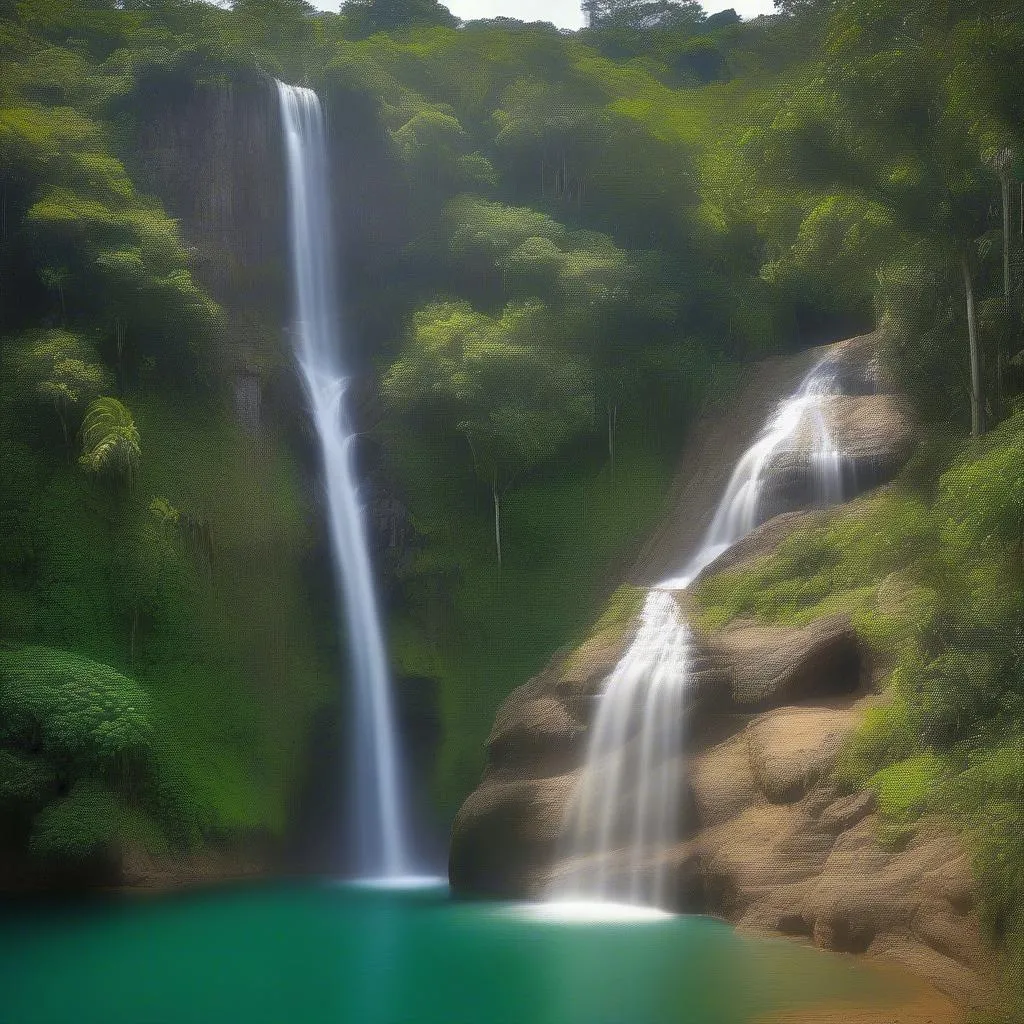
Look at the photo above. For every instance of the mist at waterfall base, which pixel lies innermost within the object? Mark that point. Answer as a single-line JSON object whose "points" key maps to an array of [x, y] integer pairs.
{"points": [[329, 953], [616, 861], [377, 828]]}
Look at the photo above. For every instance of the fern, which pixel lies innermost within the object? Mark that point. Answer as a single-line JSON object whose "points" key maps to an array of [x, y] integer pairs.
{"points": [[110, 440]]}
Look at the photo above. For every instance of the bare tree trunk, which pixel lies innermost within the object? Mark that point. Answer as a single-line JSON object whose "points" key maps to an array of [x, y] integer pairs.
{"points": [[497, 517], [1004, 181], [613, 422], [977, 414]]}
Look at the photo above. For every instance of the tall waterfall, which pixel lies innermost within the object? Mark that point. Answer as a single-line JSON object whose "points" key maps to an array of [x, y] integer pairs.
{"points": [[379, 820], [625, 811]]}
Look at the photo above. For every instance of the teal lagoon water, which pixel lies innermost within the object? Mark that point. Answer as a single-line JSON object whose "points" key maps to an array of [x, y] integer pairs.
{"points": [[337, 954]]}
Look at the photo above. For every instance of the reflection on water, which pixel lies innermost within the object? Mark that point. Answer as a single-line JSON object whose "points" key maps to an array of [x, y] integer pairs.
{"points": [[327, 953]]}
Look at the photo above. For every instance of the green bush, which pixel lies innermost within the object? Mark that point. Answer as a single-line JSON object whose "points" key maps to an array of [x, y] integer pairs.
{"points": [[908, 788], [87, 824], [25, 781], [84, 716]]}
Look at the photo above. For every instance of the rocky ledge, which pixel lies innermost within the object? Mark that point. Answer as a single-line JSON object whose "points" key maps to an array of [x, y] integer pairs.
{"points": [[770, 842]]}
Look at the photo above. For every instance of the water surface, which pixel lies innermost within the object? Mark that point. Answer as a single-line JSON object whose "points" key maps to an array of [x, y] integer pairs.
{"points": [[318, 953]]}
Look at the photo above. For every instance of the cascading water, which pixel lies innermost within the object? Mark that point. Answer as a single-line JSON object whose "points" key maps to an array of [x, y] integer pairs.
{"points": [[803, 416], [379, 821], [650, 679], [624, 813]]}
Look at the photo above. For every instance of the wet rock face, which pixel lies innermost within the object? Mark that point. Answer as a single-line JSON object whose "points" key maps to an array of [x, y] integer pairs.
{"points": [[874, 433], [213, 154], [504, 836]]}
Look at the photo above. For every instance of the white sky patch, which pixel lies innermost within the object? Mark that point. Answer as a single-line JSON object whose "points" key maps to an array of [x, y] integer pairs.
{"points": [[563, 13]]}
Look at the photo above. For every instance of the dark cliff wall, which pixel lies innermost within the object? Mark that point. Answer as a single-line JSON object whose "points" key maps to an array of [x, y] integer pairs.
{"points": [[213, 154]]}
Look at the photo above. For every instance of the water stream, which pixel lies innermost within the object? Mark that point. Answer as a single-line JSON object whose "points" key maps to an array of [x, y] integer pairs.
{"points": [[624, 814], [378, 828]]}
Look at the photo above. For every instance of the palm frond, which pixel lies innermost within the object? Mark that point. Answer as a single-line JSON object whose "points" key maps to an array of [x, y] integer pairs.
{"points": [[110, 440]]}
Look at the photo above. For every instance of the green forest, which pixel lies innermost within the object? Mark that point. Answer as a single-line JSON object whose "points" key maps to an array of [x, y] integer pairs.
{"points": [[559, 248]]}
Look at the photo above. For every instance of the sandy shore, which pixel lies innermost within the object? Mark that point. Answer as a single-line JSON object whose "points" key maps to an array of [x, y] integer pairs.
{"points": [[913, 1002]]}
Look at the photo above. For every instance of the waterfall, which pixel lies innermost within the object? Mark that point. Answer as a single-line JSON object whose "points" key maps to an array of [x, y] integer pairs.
{"points": [[740, 508], [650, 679], [379, 827], [624, 814]]}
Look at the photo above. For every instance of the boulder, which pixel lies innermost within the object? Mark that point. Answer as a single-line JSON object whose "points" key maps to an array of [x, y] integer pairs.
{"points": [[535, 734], [873, 434], [792, 749], [768, 666], [722, 781], [855, 365], [504, 836]]}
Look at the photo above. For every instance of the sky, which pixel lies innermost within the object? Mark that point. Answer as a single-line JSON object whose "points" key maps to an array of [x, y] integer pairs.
{"points": [[564, 13]]}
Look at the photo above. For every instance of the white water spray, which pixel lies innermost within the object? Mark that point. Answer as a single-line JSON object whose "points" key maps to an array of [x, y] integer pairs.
{"points": [[379, 805], [625, 812]]}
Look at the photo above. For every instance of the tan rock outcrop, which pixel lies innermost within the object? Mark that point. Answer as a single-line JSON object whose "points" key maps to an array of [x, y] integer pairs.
{"points": [[875, 434], [772, 665], [769, 843], [792, 749]]}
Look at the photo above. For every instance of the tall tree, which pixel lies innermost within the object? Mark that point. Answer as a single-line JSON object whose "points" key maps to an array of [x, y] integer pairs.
{"points": [[497, 381], [642, 14]]}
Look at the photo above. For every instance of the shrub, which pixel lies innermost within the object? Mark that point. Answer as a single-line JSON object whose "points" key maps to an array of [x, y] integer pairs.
{"points": [[87, 824], [24, 781], [82, 715]]}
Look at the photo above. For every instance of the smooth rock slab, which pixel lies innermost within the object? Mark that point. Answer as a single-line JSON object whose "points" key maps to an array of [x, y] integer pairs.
{"points": [[791, 749]]}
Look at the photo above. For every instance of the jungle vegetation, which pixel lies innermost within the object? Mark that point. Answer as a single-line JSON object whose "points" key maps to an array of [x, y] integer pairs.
{"points": [[572, 243]]}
